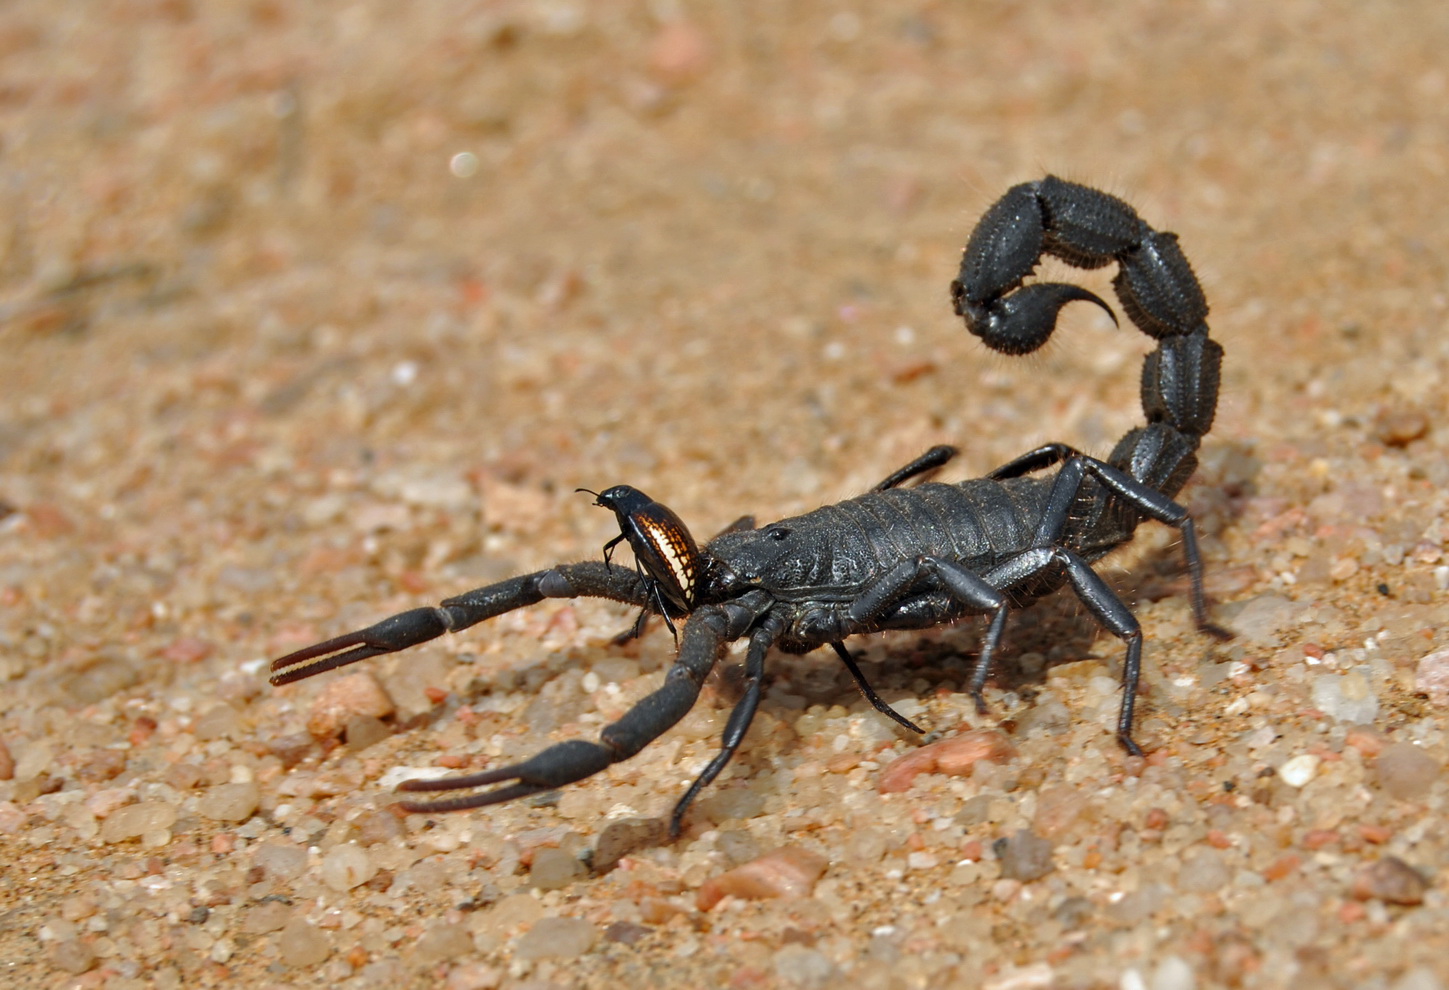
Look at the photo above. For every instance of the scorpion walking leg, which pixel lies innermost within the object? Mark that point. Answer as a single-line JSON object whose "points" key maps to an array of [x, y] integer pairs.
{"points": [[876, 701], [740, 718], [590, 578], [705, 635], [931, 460], [976, 593], [1148, 500]]}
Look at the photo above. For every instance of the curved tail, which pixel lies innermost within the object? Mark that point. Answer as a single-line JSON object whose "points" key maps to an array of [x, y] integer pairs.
{"points": [[1155, 284]]}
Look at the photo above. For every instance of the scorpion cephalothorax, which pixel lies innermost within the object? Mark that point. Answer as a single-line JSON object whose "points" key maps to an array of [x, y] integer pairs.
{"points": [[893, 558]]}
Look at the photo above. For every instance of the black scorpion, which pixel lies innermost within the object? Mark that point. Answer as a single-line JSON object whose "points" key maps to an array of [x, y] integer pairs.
{"points": [[893, 558]]}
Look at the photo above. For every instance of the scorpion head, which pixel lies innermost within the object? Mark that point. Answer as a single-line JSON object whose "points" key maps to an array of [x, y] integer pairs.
{"points": [[746, 559]]}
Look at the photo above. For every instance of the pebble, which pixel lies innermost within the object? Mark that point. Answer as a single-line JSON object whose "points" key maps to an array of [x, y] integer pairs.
{"points": [[1173, 973], [1346, 697], [284, 862], [1259, 620], [135, 820], [268, 916], [1057, 809], [347, 866], [625, 836], [800, 966], [1299, 770], [1405, 771], [557, 938], [344, 699], [229, 802], [1024, 856], [730, 803], [441, 942], [554, 869], [219, 722], [72, 955], [954, 757], [1431, 677], [7, 762], [302, 945], [1400, 427], [1203, 872], [362, 731], [473, 976], [626, 932], [1392, 880], [788, 872]]}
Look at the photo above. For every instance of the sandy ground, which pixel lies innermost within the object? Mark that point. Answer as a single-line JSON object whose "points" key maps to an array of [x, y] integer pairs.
{"points": [[314, 313]]}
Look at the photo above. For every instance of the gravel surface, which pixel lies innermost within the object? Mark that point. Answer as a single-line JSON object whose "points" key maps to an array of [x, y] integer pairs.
{"points": [[314, 313]]}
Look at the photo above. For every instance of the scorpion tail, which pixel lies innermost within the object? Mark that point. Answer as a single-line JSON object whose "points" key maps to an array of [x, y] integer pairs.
{"points": [[1155, 284]]}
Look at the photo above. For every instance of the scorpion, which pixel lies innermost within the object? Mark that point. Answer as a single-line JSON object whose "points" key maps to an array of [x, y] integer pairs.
{"points": [[895, 557]]}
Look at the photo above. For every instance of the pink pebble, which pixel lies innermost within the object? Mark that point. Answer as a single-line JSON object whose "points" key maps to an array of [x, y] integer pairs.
{"points": [[954, 757], [788, 872], [344, 699], [1432, 677]]}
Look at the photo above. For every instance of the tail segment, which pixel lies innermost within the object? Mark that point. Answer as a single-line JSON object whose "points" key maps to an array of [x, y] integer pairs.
{"points": [[1155, 284]]}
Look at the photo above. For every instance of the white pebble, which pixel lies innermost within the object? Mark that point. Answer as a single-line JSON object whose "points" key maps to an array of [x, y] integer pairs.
{"points": [[1173, 973], [347, 866], [1299, 770]]}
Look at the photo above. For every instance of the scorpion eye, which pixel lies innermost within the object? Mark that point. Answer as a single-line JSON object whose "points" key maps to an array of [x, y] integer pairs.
{"points": [[778, 533]]}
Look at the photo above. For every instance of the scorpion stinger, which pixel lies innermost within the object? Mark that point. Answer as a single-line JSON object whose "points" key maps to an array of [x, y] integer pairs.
{"points": [[895, 557]]}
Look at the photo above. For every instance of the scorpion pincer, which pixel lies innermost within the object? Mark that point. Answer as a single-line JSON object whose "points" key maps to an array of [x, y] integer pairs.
{"points": [[895, 557]]}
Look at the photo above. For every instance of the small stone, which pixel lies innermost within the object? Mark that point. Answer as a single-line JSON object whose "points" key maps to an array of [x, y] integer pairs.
{"points": [[7, 762], [136, 820], [622, 837], [229, 802], [1136, 906], [679, 52], [1431, 677], [729, 803], [1405, 771], [1346, 697], [1024, 856], [1418, 978], [302, 945], [1203, 872], [347, 866], [626, 932], [219, 722], [800, 966], [363, 731], [441, 942], [473, 976], [280, 861], [1173, 973], [954, 757], [1057, 809], [1299, 770], [1392, 880], [556, 938], [72, 955], [344, 699], [788, 872], [292, 749], [379, 826], [1400, 427], [268, 916], [1260, 620], [554, 869]]}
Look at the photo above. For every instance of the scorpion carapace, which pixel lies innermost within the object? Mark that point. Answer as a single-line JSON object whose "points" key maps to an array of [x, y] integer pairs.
{"points": [[895, 557]]}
